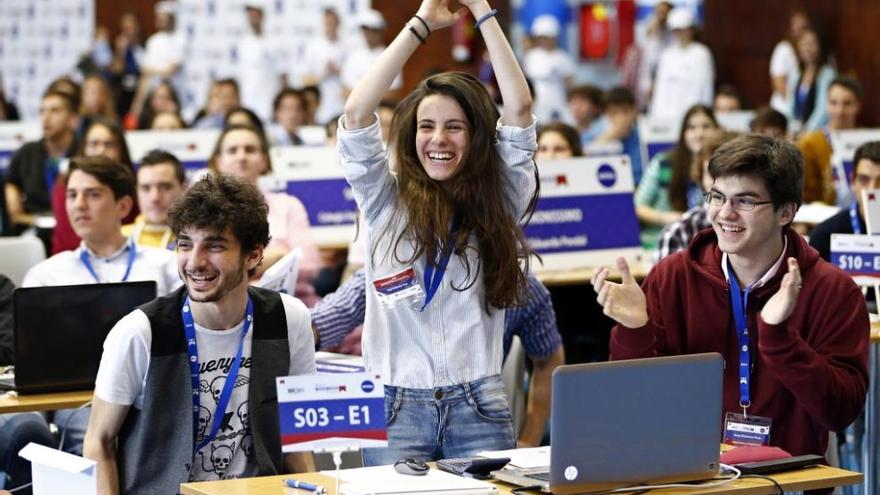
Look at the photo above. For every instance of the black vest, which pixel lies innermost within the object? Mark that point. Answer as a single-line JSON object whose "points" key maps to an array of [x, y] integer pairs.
{"points": [[156, 442]]}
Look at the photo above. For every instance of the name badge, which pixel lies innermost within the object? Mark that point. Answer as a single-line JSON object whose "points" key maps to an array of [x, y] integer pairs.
{"points": [[400, 287], [746, 430]]}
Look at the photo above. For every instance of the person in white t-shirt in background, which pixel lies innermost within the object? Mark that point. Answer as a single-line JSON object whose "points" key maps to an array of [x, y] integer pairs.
{"points": [[258, 74], [784, 61], [372, 25], [324, 59], [163, 56], [651, 43], [685, 73], [549, 69]]}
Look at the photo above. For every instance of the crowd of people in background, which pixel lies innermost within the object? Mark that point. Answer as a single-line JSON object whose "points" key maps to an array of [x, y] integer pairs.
{"points": [[132, 82]]}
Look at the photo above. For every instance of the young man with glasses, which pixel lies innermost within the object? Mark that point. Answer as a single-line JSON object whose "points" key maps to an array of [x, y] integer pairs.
{"points": [[792, 328]]}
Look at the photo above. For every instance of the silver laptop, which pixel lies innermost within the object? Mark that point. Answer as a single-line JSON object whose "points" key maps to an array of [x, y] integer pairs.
{"points": [[623, 423]]}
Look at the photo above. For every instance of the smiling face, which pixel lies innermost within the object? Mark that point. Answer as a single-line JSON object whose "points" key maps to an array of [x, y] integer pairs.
{"points": [[241, 155], [697, 129], [442, 137], [212, 264], [95, 214], [754, 234]]}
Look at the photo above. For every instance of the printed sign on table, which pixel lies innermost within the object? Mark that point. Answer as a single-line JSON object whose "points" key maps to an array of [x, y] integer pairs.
{"points": [[736, 121], [857, 255], [656, 136], [313, 174], [193, 147], [12, 136], [331, 411], [585, 215], [871, 202]]}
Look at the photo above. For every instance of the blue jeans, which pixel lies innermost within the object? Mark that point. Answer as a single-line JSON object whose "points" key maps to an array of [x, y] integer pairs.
{"points": [[444, 422]]}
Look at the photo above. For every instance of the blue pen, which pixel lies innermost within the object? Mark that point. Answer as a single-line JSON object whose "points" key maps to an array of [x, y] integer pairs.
{"points": [[302, 485]]}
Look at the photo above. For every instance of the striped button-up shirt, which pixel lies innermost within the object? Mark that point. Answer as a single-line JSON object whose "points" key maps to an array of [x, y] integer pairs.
{"points": [[534, 322]]}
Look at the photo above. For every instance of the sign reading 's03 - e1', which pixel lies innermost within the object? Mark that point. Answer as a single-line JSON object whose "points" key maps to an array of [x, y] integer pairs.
{"points": [[334, 411]]}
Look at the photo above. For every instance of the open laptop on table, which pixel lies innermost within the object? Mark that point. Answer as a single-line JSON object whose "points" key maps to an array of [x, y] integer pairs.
{"points": [[623, 423], [60, 332]]}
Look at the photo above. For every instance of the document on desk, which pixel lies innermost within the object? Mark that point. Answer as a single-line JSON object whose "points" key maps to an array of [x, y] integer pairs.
{"points": [[384, 480], [521, 458]]}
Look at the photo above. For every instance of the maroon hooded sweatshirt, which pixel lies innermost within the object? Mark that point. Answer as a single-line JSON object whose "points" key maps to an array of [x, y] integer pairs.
{"points": [[809, 374]]}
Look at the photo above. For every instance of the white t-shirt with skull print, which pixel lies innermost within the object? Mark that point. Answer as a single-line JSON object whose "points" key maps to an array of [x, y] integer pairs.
{"points": [[123, 373]]}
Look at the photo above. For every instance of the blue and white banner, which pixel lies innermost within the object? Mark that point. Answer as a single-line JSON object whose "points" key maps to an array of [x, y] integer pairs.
{"points": [[656, 136], [845, 143], [857, 255], [40, 41], [585, 215], [331, 411], [13, 135], [193, 147], [313, 174]]}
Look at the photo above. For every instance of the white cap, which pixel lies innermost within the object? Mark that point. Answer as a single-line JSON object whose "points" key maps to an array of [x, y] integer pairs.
{"points": [[166, 7], [545, 25], [680, 18], [371, 19], [255, 4]]}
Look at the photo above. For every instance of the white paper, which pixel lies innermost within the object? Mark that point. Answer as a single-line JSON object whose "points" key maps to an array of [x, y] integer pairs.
{"points": [[281, 276], [54, 471], [522, 458], [385, 480]]}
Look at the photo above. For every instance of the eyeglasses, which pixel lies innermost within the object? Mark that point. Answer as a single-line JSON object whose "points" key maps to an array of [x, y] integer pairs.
{"points": [[741, 203]]}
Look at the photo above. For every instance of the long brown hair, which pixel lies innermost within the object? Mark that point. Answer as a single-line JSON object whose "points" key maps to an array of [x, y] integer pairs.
{"points": [[475, 198], [681, 158]]}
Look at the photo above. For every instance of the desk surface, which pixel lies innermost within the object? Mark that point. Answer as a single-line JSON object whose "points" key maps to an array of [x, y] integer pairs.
{"points": [[577, 276], [44, 402], [805, 479]]}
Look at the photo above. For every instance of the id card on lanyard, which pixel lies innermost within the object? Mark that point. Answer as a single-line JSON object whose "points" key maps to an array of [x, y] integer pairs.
{"points": [[192, 351], [87, 262], [404, 286], [744, 429]]}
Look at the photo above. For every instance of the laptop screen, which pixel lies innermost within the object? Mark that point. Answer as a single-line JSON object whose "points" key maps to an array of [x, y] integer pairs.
{"points": [[60, 331]]}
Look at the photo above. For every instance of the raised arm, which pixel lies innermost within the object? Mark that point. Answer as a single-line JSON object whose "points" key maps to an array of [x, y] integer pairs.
{"points": [[371, 88], [511, 81]]}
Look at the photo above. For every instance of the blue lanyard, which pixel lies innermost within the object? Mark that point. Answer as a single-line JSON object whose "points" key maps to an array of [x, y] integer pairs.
{"points": [[433, 275], [84, 257], [854, 218], [739, 300], [192, 350]]}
